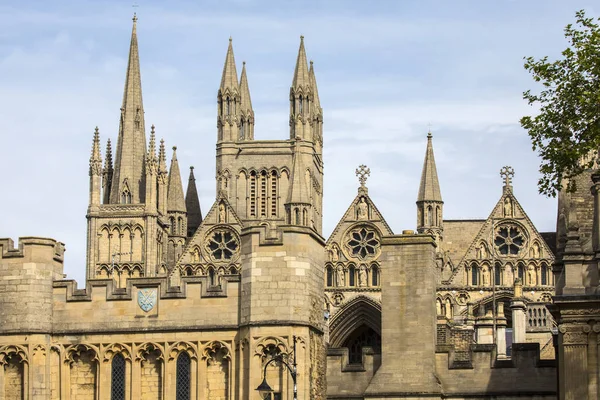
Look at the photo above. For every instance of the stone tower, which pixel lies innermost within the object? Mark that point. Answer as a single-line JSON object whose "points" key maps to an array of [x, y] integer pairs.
{"points": [[429, 201], [128, 225]]}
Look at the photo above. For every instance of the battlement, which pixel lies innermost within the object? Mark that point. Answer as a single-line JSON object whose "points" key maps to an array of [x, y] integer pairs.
{"points": [[33, 248], [26, 276]]}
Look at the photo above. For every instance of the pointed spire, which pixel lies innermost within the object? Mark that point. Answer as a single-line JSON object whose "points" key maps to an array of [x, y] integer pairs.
{"points": [[313, 84], [131, 144], [162, 158], [229, 78], [192, 204], [246, 102], [429, 189], [301, 76], [96, 158], [175, 200], [108, 173], [152, 146]]}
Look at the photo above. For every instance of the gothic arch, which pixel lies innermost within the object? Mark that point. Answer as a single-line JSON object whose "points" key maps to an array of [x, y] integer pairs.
{"points": [[113, 349], [361, 310], [6, 352], [179, 347]]}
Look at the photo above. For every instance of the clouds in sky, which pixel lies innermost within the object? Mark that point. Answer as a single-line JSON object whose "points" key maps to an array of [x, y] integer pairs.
{"points": [[385, 70]]}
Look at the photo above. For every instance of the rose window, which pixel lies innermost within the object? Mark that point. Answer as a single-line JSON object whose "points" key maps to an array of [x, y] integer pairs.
{"points": [[222, 245], [363, 243], [509, 240]]}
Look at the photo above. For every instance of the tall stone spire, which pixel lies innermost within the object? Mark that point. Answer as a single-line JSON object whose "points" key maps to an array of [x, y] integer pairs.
{"points": [[246, 112], [299, 205], [107, 173], [129, 182], [313, 84], [301, 75], [429, 200], [300, 98], [192, 205], [175, 201], [228, 99]]}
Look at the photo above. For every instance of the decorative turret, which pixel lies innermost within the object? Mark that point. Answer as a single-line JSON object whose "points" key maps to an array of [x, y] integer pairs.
{"points": [[301, 97], [298, 208], [228, 99], [129, 180], [176, 212], [107, 173], [95, 170], [246, 122], [429, 200], [162, 178], [316, 113], [151, 173], [192, 205]]}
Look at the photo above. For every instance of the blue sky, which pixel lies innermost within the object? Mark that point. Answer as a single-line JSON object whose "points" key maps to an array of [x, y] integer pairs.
{"points": [[385, 71]]}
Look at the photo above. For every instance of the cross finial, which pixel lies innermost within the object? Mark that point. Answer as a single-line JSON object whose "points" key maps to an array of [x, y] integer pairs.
{"points": [[429, 130], [362, 172], [507, 172]]}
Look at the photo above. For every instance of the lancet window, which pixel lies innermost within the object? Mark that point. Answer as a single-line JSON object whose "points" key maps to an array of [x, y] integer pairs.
{"points": [[117, 378], [183, 377]]}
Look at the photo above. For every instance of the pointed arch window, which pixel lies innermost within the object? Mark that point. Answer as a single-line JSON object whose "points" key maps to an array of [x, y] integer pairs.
{"points": [[117, 391], [126, 196], [429, 216], [211, 276], [375, 275], [242, 130], [173, 226], [253, 194], [297, 212], [544, 273], [300, 105], [304, 217], [180, 225], [273, 193], [497, 274], [183, 387], [263, 194], [329, 276], [474, 275], [227, 106], [351, 276]]}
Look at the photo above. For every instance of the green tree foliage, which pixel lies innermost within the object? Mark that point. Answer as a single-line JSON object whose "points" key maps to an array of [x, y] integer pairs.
{"points": [[566, 132]]}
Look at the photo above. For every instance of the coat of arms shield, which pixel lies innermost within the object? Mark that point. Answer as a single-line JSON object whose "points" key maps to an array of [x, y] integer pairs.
{"points": [[147, 299]]}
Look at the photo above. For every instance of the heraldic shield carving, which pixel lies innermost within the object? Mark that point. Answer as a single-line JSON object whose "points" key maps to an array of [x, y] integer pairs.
{"points": [[147, 299]]}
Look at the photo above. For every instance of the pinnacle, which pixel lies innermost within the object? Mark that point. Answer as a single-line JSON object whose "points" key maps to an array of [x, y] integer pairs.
{"points": [[229, 78], [429, 188], [175, 200], [246, 102], [301, 75]]}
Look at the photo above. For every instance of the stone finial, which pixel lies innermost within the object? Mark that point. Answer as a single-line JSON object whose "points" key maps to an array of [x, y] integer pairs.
{"points": [[363, 173], [518, 288], [507, 173]]}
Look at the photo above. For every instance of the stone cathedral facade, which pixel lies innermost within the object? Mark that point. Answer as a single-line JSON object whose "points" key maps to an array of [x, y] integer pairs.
{"points": [[181, 305]]}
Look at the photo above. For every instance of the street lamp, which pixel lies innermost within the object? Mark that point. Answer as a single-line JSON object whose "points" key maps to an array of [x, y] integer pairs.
{"points": [[264, 386]]}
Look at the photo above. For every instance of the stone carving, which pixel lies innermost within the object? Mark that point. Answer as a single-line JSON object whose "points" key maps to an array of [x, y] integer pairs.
{"points": [[147, 299], [180, 347], [341, 276], [222, 244], [362, 209], [116, 348], [531, 278], [222, 213], [334, 253], [462, 298], [508, 208], [362, 172], [337, 298], [509, 239], [362, 276], [485, 275]]}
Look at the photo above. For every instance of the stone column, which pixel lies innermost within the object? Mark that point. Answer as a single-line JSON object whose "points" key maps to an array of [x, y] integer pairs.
{"points": [[485, 326], [501, 331], [518, 307]]}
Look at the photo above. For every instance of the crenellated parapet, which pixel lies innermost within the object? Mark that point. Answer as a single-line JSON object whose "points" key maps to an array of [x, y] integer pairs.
{"points": [[26, 276]]}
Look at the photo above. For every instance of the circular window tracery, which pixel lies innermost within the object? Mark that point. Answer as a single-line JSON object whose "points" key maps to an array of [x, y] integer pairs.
{"points": [[363, 243], [222, 245], [509, 240]]}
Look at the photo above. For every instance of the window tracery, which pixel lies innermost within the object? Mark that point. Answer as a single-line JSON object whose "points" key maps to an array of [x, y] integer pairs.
{"points": [[363, 243], [222, 244], [509, 239]]}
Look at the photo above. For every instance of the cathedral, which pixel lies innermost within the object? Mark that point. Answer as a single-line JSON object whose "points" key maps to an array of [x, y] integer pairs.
{"points": [[248, 300]]}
